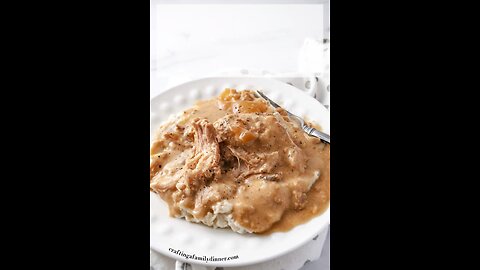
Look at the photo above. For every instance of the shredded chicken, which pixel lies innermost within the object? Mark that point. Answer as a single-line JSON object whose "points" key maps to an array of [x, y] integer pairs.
{"points": [[236, 162], [204, 163]]}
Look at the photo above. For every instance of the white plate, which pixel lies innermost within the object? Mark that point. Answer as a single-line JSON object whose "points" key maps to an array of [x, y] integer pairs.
{"points": [[167, 234]]}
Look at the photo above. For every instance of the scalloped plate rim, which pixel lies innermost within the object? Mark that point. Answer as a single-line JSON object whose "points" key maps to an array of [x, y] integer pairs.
{"points": [[258, 83]]}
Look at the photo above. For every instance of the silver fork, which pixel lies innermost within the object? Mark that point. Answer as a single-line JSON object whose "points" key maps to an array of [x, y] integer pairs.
{"points": [[309, 130]]}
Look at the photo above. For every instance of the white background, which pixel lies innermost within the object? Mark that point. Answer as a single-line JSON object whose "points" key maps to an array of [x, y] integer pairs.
{"points": [[192, 41]]}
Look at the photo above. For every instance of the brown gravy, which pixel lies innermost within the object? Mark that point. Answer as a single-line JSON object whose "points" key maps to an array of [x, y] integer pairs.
{"points": [[274, 198], [318, 201]]}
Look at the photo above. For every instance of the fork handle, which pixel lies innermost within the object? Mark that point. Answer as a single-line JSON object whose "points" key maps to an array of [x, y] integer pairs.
{"points": [[316, 133]]}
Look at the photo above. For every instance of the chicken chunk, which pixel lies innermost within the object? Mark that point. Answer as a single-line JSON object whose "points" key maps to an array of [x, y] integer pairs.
{"points": [[203, 165]]}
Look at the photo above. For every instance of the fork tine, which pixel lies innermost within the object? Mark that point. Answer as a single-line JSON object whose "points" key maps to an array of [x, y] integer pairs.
{"points": [[309, 130], [269, 100]]}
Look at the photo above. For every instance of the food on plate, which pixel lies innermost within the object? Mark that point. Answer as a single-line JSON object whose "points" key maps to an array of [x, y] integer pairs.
{"points": [[234, 161]]}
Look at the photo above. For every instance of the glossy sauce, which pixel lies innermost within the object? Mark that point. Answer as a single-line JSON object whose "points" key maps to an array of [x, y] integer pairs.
{"points": [[253, 206], [318, 199]]}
